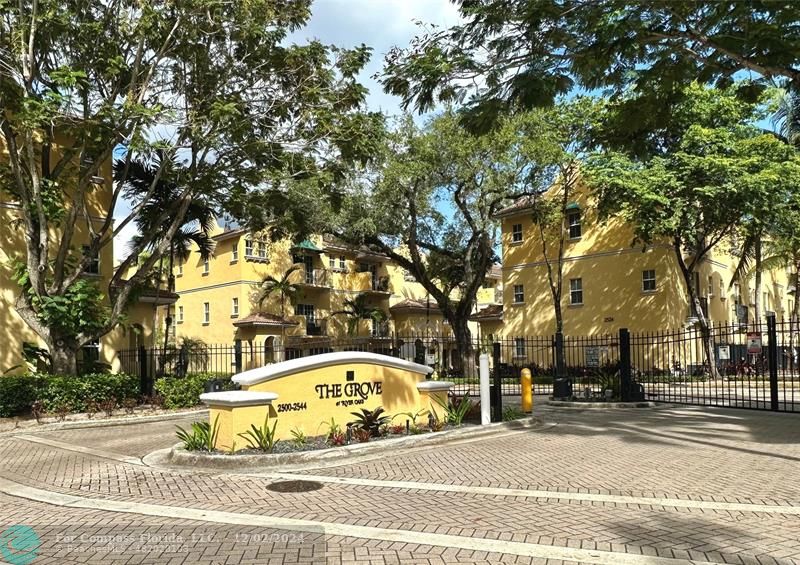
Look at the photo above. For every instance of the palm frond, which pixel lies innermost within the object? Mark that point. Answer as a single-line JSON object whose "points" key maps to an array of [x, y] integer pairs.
{"points": [[747, 255]]}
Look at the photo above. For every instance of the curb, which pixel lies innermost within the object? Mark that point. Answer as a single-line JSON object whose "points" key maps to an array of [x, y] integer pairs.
{"points": [[104, 422], [178, 457], [603, 405]]}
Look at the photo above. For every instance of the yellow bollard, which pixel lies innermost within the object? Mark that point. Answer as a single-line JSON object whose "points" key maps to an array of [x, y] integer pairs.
{"points": [[527, 391]]}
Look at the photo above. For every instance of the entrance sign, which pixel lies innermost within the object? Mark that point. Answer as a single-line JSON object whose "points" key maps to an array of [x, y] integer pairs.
{"points": [[724, 352], [305, 394], [754, 342]]}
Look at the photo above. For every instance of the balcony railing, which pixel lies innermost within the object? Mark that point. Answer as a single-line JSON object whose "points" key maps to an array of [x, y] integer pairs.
{"points": [[380, 284], [315, 277]]}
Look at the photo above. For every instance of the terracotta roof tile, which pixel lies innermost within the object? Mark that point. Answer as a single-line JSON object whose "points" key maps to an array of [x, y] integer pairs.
{"points": [[263, 319]]}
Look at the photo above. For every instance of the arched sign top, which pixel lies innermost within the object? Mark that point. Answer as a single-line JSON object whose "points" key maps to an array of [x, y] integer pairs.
{"points": [[302, 364]]}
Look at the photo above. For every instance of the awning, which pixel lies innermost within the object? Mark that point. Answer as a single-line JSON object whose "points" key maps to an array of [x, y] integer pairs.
{"points": [[573, 206], [307, 245]]}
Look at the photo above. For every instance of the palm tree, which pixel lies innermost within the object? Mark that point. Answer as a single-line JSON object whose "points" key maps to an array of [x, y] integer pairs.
{"points": [[786, 121], [751, 263], [359, 308], [787, 116], [284, 288], [197, 224]]}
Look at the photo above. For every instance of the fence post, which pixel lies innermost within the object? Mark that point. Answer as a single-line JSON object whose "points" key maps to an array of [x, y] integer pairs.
{"points": [[144, 381], [497, 380], [772, 359], [558, 354], [237, 356], [625, 364], [485, 390]]}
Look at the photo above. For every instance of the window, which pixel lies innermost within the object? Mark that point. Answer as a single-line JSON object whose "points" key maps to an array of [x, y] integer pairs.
{"points": [[235, 308], [235, 252], [710, 286], [262, 250], [90, 355], [180, 314], [722, 289], [574, 225], [332, 262], [306, 310], [206, 313], [519, 294], [649, 280], [764, 301], [341, 262], [791, 308], [516, 233], [206, 266], [180, 267], [93, 268], [248, 247], [576, 291], [519, 347], [736, 293]]}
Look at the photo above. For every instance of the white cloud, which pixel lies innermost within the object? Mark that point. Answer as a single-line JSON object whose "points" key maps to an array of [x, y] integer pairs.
{"points": [[380, 24]]}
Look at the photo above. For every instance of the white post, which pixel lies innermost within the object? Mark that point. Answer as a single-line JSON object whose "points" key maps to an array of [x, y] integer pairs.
{"points": [[486, 416]]}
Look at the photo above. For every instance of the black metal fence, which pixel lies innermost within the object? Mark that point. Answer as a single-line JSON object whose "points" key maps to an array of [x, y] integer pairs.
{"points": [[749, 367]]}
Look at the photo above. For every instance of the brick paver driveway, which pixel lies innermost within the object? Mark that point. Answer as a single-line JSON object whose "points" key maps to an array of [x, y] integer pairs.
{"points": [[650, 486]]}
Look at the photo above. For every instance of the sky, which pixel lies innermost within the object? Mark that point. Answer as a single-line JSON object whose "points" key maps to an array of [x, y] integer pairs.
{"points": [[380, 24]]}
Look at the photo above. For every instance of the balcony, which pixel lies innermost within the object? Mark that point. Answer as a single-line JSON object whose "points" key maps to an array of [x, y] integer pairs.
{"points": [[314, 278], [307, 326]]}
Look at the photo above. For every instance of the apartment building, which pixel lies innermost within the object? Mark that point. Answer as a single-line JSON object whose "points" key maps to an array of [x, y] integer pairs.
{"points": [[219, 297], [14, 332], [611, 283]]}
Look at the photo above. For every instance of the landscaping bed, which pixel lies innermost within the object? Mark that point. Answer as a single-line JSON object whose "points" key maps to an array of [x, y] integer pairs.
{"points": [[46, 398]]}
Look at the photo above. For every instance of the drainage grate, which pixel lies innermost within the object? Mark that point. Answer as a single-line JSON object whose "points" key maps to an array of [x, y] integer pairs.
{"points": [[294, 486]]}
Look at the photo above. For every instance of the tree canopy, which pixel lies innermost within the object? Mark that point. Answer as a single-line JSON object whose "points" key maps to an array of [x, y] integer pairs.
{"points": [[252, 119], [511, 55]]}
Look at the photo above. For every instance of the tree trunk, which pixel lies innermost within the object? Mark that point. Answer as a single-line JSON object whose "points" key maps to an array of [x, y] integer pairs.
{"points": [[694, 299], [757, 303], [464, 349], [559, 343], [64, 357]]}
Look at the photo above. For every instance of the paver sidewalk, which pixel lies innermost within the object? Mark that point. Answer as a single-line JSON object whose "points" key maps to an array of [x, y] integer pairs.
{"points": [[679, 454]]}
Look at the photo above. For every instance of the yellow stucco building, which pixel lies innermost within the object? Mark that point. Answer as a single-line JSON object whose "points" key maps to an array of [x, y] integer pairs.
{"points": [[219, 298], [13, 329], [609, 283]]}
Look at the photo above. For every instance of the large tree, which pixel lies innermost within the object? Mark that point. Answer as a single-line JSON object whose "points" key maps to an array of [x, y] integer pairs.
{"points": [[514, 54], [556, 139], [431, 205], [714, 170], [252, 118]]}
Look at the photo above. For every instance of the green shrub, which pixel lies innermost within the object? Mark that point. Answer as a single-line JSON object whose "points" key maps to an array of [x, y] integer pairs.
{"points": [[263, 437], [78, 391], [54, 392], [184, 392], [17, 394], [200, 437]]}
